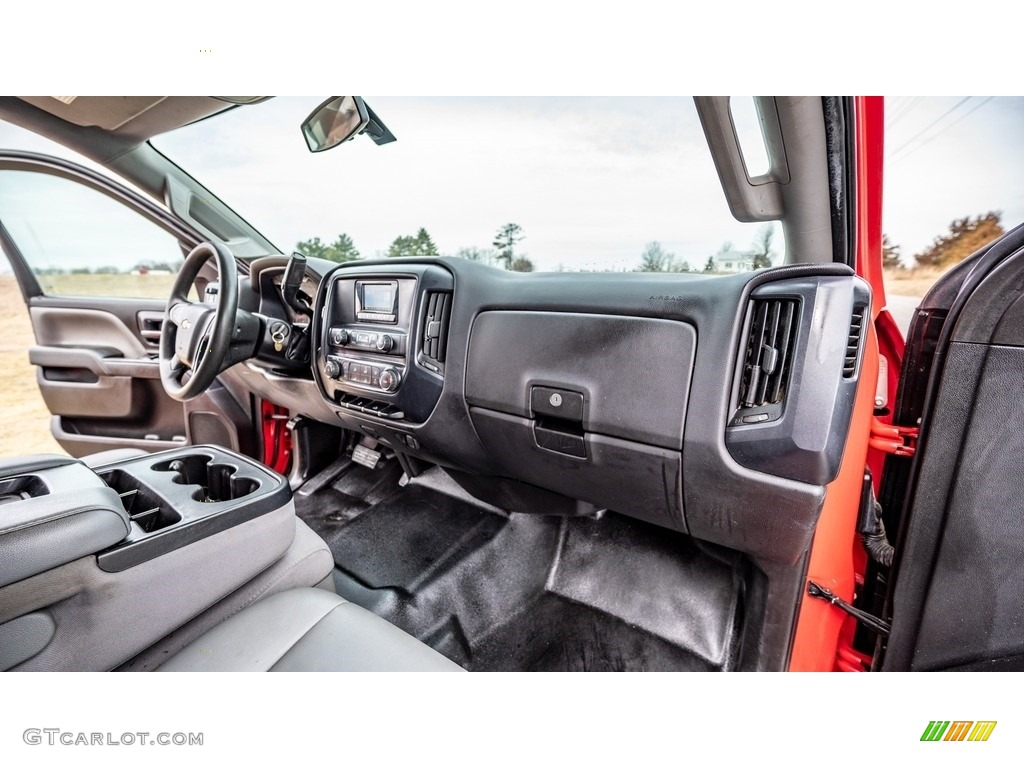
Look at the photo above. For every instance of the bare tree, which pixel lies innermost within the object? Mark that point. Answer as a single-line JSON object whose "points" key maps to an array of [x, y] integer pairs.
{"points": [[655, 258], [762, 247]]}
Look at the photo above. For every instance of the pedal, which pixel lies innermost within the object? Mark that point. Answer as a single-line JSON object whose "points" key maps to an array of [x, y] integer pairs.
{"points": [[366, 456]]}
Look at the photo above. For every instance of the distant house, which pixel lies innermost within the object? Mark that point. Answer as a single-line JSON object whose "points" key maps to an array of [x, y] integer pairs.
{"points": [[733, 261]]}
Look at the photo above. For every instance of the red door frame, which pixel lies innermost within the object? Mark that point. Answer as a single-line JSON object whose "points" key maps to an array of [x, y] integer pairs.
{"points": [[822, 640]]}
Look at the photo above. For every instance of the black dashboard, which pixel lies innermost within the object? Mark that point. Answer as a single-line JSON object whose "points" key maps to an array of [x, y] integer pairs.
{"points": [[713, 405]]}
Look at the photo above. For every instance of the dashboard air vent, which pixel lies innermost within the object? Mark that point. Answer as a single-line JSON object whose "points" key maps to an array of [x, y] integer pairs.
{"points": [[434, 342], [853, 342], [766, 360]]}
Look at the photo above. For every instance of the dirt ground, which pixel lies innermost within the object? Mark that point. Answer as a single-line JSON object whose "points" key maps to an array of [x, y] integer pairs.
{"points": [[910, 282], [25, 424]]}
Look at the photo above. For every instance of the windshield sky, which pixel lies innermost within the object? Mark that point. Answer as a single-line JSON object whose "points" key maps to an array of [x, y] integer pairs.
{"points": [[590, 180]]}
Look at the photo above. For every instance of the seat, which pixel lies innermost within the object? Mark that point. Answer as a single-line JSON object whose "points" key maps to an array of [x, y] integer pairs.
{"points": [[307, 630]]}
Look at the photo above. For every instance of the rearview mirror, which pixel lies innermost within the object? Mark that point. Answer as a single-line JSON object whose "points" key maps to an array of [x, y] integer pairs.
{"points": [[335, 121]]}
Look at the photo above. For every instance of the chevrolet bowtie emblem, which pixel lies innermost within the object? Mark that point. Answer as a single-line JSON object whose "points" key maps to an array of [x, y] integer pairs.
{"points": [[186, 324]]}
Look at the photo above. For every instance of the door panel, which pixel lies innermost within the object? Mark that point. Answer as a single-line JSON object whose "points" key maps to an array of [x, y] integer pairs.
{"points": [[956, 600], [86, 327], [99, 379]]}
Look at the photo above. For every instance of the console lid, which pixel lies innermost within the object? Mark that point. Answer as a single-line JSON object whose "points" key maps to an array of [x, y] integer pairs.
{"points": [[53, 509]]}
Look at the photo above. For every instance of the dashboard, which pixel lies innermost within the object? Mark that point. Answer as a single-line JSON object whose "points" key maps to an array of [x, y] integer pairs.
{"points": [[714, 405]]}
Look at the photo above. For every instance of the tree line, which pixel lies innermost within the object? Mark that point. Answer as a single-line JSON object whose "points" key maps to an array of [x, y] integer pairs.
{"points": [[502, 253], [962, 238]]}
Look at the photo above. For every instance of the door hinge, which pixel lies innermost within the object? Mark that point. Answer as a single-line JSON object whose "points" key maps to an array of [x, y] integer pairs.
{"points": [[888, 438]]}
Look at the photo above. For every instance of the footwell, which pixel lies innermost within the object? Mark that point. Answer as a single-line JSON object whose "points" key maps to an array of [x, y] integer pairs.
{"points": [[498, 591]]}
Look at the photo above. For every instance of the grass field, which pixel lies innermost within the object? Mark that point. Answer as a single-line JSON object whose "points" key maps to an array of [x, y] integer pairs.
{"points": [[130, 286]]}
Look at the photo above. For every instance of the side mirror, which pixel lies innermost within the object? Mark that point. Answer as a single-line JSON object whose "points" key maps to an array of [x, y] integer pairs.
{"points": [[335, 121]]}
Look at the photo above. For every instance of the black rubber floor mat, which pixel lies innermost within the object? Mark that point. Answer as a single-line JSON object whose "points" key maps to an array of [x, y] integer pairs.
{"points": [[347, 496], [656, 581], [558, 635], [528, 592], [403, 540]]}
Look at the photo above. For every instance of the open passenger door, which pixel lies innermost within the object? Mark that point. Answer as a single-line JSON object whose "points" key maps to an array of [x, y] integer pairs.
{"points": [[957, 504]]}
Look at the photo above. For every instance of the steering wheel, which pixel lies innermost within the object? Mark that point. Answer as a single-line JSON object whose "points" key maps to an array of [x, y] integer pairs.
{"points": [[196, 337]]}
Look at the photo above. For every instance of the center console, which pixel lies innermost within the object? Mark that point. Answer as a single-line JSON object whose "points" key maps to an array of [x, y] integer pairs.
{"points": [[98, 563], [54, 510], [180, 496]]}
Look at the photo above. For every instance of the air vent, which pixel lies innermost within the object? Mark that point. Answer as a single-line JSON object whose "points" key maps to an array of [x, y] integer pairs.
{"points": [[434, 342], [853, 343], [766, 360]]}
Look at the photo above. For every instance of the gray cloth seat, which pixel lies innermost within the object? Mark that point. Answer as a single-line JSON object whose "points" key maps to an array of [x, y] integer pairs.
{"points": [[307, 630]]}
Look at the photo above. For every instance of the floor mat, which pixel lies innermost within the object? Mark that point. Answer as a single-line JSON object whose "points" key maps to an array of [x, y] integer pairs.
{"points": [[494, 591], [558, 635], [403, 540]]}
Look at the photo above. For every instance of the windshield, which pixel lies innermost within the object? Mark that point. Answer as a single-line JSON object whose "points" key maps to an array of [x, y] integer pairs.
{"points": [[534, 184]]}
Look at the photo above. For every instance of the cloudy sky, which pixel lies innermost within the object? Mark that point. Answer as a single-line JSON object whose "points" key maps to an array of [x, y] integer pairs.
{"points": [[590, 180]]}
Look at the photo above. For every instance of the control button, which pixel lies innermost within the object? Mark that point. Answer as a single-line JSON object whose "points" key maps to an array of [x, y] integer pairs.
{"points": [[363, 338], [332, 369], [385, 343], [755, 418], [390, 379], [339, 336]]}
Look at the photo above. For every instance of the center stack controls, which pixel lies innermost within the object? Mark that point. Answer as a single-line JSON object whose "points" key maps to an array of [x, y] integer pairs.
{"points": [[376, 304], [375, 374]]}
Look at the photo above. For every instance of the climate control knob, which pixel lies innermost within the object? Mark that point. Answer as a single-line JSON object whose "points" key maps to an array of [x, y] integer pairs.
{"points": [[390, 379], [385, 343], [332, 368]]}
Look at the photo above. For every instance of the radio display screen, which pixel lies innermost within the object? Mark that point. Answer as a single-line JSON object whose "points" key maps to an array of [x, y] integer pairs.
{"points": [[379, 297]]}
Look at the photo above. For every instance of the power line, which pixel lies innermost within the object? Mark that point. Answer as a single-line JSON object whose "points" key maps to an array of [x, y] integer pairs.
{"points": [[898, 104], [930, 125], [945, 128], [901, 112]]}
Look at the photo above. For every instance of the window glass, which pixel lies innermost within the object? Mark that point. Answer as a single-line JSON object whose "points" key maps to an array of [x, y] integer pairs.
{"points": [[954, 181], [80, 242], [530, 184]]}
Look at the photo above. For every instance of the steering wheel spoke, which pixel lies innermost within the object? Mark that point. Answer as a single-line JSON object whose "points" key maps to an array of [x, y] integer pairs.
{"points": [[176, 309]]}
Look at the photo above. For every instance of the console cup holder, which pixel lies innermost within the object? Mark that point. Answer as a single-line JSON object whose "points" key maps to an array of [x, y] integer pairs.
{"points": [[217, 482], [143, 506]]}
